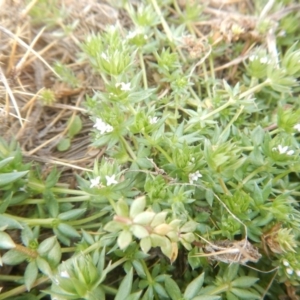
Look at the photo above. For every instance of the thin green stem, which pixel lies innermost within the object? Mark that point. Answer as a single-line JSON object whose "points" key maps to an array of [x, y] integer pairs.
{"points": [[206, 81], [145, 268], [251, 175], [68, 191], [255, 89], [158, 147], [142, 63], [32, 222], [10, 278], [68, 249], [128, 148], [231, 122], [112, 203], [22, 288], [217, 110], [60, 200], [163, 21], [86, 220], [224, 187], [281, 175]]}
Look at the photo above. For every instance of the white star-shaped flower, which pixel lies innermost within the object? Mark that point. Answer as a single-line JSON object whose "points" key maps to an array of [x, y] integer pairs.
{"points": [[104, 56], [297, 127], [111, 180], [284, 150], [194, 177], [124, 86], [153, 120], [102, 126], [64, 274], [95, 182]]}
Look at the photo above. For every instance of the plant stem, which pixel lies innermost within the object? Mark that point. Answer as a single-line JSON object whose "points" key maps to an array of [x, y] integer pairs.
{"points": [[32, 222], [88, 219], [128, 148], [217, 110], [255, 89], [142, 63], [21, 289], [252, 174]]}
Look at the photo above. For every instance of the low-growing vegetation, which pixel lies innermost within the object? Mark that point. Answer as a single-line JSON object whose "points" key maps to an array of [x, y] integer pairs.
{"points": [[150, 150]]}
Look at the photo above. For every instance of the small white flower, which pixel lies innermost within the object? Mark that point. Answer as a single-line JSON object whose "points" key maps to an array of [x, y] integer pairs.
{"points": [[124, 86], [95, 182], [284, 150], [131, 34], [264, 60], [194, 177], [64, 274], [289, 271], [286, 263], [153, 120], [102, 126], [111, 180], [298, 273], [252, 57], [104, 56], [297, 127]]}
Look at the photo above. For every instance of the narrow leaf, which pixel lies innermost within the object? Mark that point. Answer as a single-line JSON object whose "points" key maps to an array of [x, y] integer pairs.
{"points": [[125, 286], [194, 287]]}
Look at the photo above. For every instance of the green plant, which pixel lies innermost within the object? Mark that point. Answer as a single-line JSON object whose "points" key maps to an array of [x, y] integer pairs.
{"points": [[197, 170]]}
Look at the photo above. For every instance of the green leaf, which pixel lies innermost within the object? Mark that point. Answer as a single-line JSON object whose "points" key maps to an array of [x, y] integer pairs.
{"points": [[204, 297], [145, 244], [64, 144], [209, 196], [244, 281], [159, 219], [244, 294], [122, 208], [5, 241], [46, 245], [231, 271], [68, 230], [30, 275], [51, 203], [124, 239], [194, 287], [125, 286], [113, 226], [144, 218], [5, 161], [160, 290], [75, 126], [13, 257], [137, 206], [5, 203], [139, 268], [135, 296], [54, 255], [72, 214], [52, 178], [172, 289], [44, 266], [7, 178], [139, 231], [9, 223]]}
